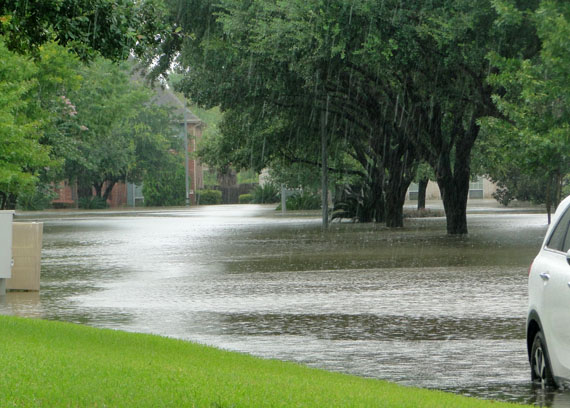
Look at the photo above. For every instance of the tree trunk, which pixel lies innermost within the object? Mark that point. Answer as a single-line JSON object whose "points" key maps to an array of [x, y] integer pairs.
{"points": [[548, 199], [379, 208], [454, 188], [455, 205], [98, 189], [324, 169], [400, 177], [401, 166], [373, 204], [558, 196], [108, 189], [453, 181], [395, 207], [422, 188]]}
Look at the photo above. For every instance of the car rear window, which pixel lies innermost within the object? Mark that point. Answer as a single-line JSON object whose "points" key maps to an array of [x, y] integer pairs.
{"points": [[560, 238]]}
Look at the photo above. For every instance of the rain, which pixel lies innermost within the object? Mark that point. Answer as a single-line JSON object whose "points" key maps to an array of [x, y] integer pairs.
{"points": [[409, 305], [357, 105]]}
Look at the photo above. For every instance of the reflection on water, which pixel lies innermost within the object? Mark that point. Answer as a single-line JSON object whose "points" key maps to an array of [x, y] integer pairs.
{"points": [[22, 304], [411, 305]]}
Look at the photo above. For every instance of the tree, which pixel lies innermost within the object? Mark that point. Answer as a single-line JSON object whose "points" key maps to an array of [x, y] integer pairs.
{"points": [[423, 176], [533, 95], [165, 185], [397, 81], [443, 86], [58, 75], [120, 135], [111, 28], [21, 154], [35, 130], [281, 96]]}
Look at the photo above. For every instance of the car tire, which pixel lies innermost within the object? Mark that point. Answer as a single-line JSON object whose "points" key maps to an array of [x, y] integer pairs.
{"points": [[541, 372]]}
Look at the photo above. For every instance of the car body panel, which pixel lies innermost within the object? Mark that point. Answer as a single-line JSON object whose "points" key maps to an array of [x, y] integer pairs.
{"points": [[549, 299]]}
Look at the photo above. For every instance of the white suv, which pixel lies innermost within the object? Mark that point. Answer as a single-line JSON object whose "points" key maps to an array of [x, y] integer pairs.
{"points": [[548, 325]]}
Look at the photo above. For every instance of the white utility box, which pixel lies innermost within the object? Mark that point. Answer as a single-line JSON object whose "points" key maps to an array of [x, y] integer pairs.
{"points": [[27, 256], [6, 218]]}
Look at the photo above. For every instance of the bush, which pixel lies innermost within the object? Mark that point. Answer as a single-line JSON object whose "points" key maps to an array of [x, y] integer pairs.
{"points": [[92, 203], [165, 187], [355, 202], [208, 197], [503, 195], [266, 194], [303, 201], [39, 199], [245, 198], [516, 185]]}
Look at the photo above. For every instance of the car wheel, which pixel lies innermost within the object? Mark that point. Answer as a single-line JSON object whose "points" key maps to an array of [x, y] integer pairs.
{"points": [[539, 363]]}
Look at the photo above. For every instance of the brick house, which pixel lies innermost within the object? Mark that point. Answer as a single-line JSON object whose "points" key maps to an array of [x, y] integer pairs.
{"points": [[194, 128]]}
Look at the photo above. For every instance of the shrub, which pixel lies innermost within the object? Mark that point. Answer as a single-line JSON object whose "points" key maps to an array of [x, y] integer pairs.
{"points": [[354, 201], [245, 198], [503, 195], [208, 197], [39, 199], [92, 203], [303, 201], [165, 187], [266, 194]]}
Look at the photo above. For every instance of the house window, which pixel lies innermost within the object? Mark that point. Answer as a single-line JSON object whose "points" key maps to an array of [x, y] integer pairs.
{"points": [[476, 188], [413, 191]]}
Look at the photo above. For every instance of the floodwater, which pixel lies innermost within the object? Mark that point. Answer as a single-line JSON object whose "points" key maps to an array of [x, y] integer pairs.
{"points": [[412, 306]]}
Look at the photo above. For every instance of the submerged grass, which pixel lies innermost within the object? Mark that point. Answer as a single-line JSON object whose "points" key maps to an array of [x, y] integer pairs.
{"points": [[53, 364]]}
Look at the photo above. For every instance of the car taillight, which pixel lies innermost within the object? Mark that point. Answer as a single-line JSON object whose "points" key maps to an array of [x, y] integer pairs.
{"points": [[530, 268]]}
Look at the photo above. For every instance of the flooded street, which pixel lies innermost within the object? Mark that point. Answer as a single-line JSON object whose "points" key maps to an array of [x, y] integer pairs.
{"points": [[411, 306]]}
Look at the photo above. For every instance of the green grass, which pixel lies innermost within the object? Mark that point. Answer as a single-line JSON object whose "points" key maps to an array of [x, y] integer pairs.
{"points": [[52, 364]]}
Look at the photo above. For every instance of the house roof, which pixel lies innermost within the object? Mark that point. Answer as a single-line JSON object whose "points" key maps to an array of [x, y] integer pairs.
{"points": [[164, 96]]}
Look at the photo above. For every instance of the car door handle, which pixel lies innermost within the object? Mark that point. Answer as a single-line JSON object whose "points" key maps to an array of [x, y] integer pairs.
{"points": [[545, 276]]}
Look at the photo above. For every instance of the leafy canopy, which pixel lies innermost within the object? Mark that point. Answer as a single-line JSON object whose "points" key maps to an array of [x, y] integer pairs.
{"points": [[21, 154]]}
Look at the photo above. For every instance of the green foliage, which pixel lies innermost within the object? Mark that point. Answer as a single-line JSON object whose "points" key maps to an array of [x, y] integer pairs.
{"points": [[531, 136], [245, 198], [266, 194], [208, 197], [308, 176], [304, 200], [166, 187], [516, 185], [210, 178], [111, 28], [39, 199], [92, 203], [210, 136], [119, 135], [385, 85], [424, 171], [21, 155], [62, 119], [352, 201], [58, 75], [86, 366], [247, 177]]}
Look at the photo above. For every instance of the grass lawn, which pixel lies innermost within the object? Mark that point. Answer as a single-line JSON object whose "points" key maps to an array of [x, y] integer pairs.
{"points": [[52, 364]]}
